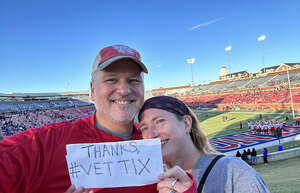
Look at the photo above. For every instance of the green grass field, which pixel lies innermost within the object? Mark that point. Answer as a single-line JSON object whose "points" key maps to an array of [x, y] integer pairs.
{"points": [[281, 176], [215, 126]]}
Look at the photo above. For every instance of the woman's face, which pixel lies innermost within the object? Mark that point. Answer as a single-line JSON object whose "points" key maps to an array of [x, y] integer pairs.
{"points": [[158, 123]]}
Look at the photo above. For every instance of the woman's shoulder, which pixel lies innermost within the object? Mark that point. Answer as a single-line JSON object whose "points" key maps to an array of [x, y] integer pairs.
{"points": [[232, 163], [236, 173], [228, 159]]}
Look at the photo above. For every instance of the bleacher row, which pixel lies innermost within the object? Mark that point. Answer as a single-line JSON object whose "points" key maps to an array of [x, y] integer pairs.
{"points": [[77, 112], [16, 107]]}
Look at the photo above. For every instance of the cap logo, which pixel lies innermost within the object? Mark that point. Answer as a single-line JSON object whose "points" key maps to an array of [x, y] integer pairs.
{"points": [[123, 49]]}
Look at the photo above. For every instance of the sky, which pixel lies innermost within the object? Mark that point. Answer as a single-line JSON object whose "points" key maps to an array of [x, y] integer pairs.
{"points": [[50, 45]]}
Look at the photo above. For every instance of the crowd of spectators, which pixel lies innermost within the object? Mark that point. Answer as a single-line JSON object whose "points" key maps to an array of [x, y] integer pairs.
{"points": [[271, 96], [257, 97], [15, 122]]}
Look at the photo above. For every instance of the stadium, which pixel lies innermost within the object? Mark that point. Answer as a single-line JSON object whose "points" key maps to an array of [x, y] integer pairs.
{"points": [[224, 107], [276, 88], [236, 64]]}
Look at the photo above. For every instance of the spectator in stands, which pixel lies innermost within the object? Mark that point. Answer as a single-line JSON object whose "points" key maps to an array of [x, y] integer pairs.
{"points": [[185, 144], [34, 160], [265, 156]]}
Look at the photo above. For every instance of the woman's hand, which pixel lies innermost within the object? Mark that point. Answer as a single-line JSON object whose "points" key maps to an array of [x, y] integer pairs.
{"points": [[174, 180]]}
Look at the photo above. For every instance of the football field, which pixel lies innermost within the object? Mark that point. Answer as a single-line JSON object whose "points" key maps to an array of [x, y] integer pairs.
{"points": [[216, 125], [281, 176], [220, 129]]}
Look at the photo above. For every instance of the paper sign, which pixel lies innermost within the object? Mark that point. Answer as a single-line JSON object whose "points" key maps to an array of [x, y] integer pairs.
{"points": [[115, 164]]}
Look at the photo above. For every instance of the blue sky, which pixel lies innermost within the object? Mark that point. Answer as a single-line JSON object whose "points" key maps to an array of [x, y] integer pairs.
{"points": [[49, 45]]}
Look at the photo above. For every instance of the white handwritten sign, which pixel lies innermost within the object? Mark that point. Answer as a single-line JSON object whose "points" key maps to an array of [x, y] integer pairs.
{"points": [[115, 164]]}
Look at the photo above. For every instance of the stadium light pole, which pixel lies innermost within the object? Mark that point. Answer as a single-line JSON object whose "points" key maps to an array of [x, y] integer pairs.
{"points": [[291, 95], [261, 39], [228, 49], [191, 61]]}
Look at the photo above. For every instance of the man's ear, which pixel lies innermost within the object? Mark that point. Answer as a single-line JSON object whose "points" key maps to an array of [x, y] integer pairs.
{"points": [[187, 123], [92, 87]]}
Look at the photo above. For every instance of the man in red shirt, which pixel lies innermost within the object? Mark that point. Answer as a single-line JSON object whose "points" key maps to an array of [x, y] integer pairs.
{"points": [[34, 160]]}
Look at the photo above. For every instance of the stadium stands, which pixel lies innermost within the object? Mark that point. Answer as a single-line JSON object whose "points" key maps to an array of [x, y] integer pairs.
{"points": [[267, 89], [272, 96], [18, 121], [19, 112], [30, 106]]}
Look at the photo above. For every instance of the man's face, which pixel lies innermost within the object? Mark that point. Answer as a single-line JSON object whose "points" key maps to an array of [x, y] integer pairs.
{"points": [[118, 92]]}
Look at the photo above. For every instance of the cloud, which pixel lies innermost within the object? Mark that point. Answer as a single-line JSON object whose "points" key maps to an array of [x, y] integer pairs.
{"points": [[261, 38], [228, 48], [204, 24]]}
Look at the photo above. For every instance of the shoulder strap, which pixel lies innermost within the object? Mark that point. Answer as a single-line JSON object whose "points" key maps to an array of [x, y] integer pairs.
{"points": [[203, 179]]}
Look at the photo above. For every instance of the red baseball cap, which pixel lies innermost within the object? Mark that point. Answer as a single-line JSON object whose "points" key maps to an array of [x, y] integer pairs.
{"points": [[110, 54]]}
